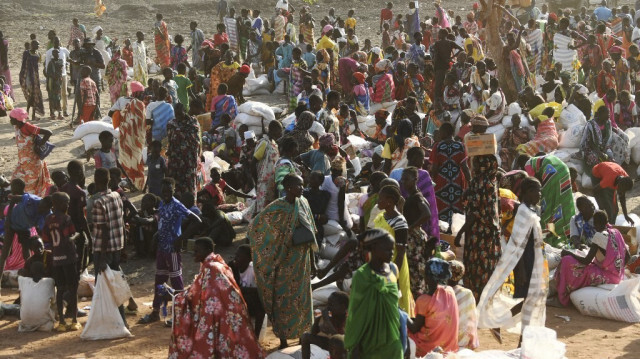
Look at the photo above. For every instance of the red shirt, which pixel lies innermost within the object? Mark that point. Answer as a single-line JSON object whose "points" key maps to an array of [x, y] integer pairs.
{"points": [[28, 129], [607, 172], [216, 190], [386, 15], [58, 229]]}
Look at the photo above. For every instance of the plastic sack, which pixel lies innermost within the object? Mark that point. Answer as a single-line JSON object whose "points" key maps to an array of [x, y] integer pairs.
{"points": [[257, 109], [634, 136], [35, 305], [572, 137], [235, 217], [104, 320], [320, 296], [622, 303], [93, 127], [541, 343], [358, 142], [564, 154], [332, 228], [570, 116], [91, 142], [289, 120], [635, 154], [249, 120], [295, 352], [457, 221], [497, 130], [514, 109], [587, 183], [86, 285], [553, 256], [118, 285]]}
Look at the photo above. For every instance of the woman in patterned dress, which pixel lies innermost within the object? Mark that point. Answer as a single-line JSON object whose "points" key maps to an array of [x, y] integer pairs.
{"points": [[31, 169], [183, 153], [482, 226], [163, 46], [221, 73], [449, 173], [282, 268], [211, 317], [30, 80], [116, 76]]}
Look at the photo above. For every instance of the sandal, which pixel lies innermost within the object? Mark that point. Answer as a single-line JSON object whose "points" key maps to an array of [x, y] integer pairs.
{"points": [[149, 318]]}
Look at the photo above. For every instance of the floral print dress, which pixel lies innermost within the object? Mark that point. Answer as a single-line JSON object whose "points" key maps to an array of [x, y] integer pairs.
{"points": [[482, 240], [211, 317]]}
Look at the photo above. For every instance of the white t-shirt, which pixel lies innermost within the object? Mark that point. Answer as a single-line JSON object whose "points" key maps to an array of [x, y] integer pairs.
{"points": [[35, 304], [120, 104], [62, 55], [616, 110], [332, 206], [494, 101]]}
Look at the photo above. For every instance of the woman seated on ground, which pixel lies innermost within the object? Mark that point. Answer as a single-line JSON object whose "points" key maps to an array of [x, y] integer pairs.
{"points": [[582, 230], [546, 138], [436, 321], [211, 318], [604, 264]]}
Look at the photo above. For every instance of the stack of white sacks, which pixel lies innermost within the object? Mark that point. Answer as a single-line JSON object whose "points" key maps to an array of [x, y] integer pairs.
{"points": [[256, 85], [88, 132], [254, 115], [573, 122]]}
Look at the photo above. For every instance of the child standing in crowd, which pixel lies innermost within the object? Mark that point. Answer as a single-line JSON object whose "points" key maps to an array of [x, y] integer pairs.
{"points": [[156, 168], [60, 231], [144, 225], [106, 156], [170, 239], [88, 96]]}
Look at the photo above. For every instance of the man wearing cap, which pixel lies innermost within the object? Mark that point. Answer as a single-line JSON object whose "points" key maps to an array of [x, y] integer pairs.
{"points": [[236, 83]]}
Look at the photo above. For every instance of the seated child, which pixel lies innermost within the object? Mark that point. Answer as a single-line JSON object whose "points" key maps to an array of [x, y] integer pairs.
{"points": [[106, 157], [229, 151], [215, 190], [60, 230], [37, 297], [328, 330], [318, 201], [156, 168], [216, 225], [144, 225], [39, 255], [243, 273], [467, 318]]}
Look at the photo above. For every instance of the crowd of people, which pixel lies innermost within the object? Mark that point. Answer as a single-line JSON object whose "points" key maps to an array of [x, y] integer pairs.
{"points": [[424, 94]]}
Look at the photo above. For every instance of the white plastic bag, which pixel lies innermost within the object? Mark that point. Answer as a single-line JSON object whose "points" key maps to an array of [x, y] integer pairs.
{"points": [[93, 127], [622, 303], [497, 130], [249, 120], [457, 221], [91, 142], [570, 116], [86, 285], [104, 320], [235, 217], [587, 183], [514, 109], [35, 306], [634, 136], [635, 154], [258, 109], [541, 343], [118, 285], [572, 137]]}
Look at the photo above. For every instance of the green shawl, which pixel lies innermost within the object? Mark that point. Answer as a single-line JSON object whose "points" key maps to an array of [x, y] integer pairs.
{"points": [[373, 321]]}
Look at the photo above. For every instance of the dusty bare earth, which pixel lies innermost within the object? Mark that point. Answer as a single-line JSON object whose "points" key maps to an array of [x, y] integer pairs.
{"points": [[585, 337]]}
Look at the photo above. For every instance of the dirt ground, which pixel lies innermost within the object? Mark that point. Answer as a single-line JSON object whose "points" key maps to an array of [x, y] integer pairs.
{"points": [[585, 337]]}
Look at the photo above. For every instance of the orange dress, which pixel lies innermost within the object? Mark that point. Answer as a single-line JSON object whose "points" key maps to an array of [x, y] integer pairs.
{"points": [[440, 312]]}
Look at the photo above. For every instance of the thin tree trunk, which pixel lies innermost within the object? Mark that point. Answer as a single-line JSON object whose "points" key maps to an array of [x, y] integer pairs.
{"points": [[494, 46]]}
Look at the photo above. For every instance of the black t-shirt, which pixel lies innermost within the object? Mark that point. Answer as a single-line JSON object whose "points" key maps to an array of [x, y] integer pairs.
{"points": [[443, 49], [77, 203], [58, 229]]}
